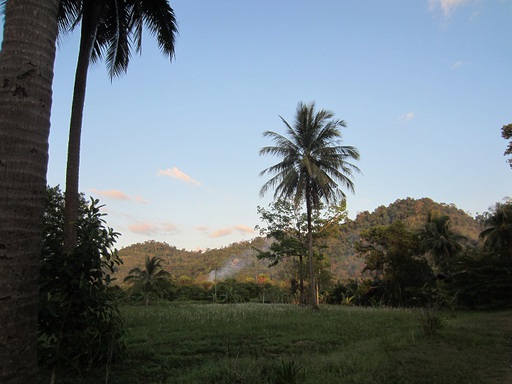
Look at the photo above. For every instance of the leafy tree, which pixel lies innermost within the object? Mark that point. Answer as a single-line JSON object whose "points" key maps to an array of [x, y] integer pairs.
{"points": [[79, 324], [482, 279], [497, 235], [440, 242], [506, 133], [393, 255], [313, 162], [26, 67], [148, 279], [109, 28], [287, 227]]}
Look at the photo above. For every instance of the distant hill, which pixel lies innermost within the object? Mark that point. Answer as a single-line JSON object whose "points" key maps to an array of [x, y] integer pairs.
{"points": [[413, 212], [239, 260]]}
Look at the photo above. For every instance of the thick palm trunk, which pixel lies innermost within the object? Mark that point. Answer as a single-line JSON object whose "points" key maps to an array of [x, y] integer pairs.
{"points": [[26, 69], [92, 12], [312, 283]]}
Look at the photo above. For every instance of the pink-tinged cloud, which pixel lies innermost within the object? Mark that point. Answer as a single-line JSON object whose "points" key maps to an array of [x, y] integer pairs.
{"points": [[168, 227], [202, 229], [144, 228], [221, 232], [176, 173], [243, 229], [147, 228], [112, 194], [116, 194], [140, 199], [447, 6]]}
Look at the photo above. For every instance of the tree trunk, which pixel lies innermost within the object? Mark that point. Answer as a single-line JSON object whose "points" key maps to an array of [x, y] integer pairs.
{"points": [[87, 38], [302, 298], [312, 284], [26, 69]]}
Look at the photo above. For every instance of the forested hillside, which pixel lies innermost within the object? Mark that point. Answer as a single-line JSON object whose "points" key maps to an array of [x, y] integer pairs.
{"points": [[239, 260], [413, 212]]}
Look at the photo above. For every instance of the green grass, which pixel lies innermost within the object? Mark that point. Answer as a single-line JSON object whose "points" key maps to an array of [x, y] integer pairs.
{"points": [[257, 343]]}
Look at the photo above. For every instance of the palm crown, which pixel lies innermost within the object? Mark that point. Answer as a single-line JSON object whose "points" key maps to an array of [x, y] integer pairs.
{"points": [[119, 27], [313, 159]]}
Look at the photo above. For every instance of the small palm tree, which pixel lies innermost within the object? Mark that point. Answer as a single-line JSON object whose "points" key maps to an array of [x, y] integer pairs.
{"points": [[149, 277], [313, 163], [497, 234], [440, 242]]}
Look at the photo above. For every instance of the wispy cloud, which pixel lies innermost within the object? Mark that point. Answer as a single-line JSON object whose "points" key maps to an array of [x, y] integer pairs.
{"points": [[458, 64], [407, 116], [228, 231], [143, 228], [149, 228], [116, 194], [221, 232], [447, 6], [176, 173], [140, 199], [243, 229]]}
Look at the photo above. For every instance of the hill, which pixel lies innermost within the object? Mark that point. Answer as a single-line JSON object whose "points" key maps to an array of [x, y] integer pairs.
{"points": [[239, 260]]}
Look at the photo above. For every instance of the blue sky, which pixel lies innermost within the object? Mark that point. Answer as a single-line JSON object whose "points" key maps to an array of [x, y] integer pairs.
{"points": [[172, 148]]}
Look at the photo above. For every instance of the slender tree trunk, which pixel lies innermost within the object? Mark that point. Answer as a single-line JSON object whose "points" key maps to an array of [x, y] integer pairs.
{"points": [[87, 37], [312, 284], [26, 69], [302, 299]]}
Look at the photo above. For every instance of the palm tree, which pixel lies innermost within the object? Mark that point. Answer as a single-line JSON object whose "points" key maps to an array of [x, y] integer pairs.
{"points": [[148, 277], [441, 243], [26, 69], [313, 162], [108, 30], [497, 235]]}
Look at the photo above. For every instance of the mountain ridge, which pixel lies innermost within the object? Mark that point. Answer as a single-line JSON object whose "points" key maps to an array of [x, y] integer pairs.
{"points": [[238, 260]]}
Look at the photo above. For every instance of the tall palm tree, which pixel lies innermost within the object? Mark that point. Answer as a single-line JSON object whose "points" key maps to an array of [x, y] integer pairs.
{"points": [[109, 28], [26, 68], [497, 235], [148, 277], [313, 163]]}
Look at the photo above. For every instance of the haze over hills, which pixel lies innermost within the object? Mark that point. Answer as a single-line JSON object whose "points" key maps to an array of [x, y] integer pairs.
{"points": [[239, 260]]}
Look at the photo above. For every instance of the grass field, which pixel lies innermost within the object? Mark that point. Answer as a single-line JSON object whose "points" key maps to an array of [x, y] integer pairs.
{"points": [[258, 343]]}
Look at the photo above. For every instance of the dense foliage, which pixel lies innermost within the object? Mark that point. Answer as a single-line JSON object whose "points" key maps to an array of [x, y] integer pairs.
{"points": [[506, 133], [79, 324], [411, 253]]}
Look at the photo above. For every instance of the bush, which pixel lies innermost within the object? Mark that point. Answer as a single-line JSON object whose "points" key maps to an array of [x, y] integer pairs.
{"points": [[80, 327]]}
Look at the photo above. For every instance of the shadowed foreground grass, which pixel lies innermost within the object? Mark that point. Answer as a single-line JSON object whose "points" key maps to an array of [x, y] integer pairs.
{"points": [[257, 343]]}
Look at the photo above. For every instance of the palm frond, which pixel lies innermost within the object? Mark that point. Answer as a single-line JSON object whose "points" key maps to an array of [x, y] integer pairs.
{"points": [[313, 161]]}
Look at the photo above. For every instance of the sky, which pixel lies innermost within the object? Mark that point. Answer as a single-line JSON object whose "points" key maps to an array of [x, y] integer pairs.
{"points": [[171, 148]]}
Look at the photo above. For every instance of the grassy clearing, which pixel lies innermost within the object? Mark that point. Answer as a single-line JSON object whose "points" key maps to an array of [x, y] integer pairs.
{"points": [[256, 343]]}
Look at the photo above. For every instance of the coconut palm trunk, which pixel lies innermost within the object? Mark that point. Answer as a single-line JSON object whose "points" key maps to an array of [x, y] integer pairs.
{"points": [[26, 68], [312, 283], [91, 13], [109, 28]]}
